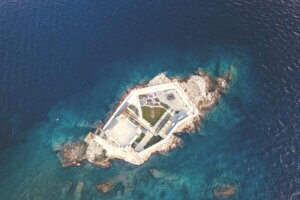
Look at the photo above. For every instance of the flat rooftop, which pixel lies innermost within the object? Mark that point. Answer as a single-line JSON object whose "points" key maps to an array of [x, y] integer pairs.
{"points": [[123, 132]]}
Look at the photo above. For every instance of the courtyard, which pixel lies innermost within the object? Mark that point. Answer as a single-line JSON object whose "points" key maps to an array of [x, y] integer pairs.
{"points": [[152, 114]]}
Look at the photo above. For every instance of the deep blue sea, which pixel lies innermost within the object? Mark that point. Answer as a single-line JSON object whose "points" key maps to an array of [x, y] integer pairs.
{"points": [[64, 64]]}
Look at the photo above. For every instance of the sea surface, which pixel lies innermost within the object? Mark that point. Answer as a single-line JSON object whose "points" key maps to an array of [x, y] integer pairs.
{"points": [[64, 64]]}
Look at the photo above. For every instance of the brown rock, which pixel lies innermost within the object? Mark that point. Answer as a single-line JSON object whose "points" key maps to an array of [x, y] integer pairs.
{"points": [[175, 142], [105, 164], [105, 186], [224, 191], [102, 161], [72, 153]]}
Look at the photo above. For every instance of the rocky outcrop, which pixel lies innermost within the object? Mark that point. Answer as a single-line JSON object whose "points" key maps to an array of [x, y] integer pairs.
{"points": [[72, 153], [224, 191], [95, 153], [105, 186], [159, 79], [125, 178], [173, 143], [203, 91], [102, 161]]}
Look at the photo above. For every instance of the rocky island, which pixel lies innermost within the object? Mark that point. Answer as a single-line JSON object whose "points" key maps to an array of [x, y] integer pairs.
{"points": [[146, 119]]}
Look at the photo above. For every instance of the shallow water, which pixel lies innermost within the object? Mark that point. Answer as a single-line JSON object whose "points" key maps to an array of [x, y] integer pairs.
{"points": [[64, 65]]}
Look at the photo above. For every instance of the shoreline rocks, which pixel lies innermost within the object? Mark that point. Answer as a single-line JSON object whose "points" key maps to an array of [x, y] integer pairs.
{"points": [[95, 153], [103, 162], [72, 153]]}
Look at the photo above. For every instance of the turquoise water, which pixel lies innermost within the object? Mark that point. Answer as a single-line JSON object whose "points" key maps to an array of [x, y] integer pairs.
{"points": [[217, 153], [65, 64]]}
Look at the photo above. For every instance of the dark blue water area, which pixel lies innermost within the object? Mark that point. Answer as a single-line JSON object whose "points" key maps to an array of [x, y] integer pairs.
{"points": [[65, 64]]}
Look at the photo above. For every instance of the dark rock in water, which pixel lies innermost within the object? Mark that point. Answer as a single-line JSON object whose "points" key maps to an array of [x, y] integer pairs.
{"points": [[72, 153], [224, 190], [105, 186]]}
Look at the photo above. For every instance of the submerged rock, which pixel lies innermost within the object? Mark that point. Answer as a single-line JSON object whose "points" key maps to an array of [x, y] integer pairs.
{"points": [[78, 190], [67, 187], [105, 186], [156, 173], [224, 190], [164, 176], [72, 153], [125, 178]]}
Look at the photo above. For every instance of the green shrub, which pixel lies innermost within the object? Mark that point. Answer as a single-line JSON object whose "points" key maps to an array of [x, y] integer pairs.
{"points": [[152, 141]]}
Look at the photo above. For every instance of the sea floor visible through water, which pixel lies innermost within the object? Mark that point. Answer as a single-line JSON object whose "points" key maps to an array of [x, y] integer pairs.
{"points": [[218, 153]]}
